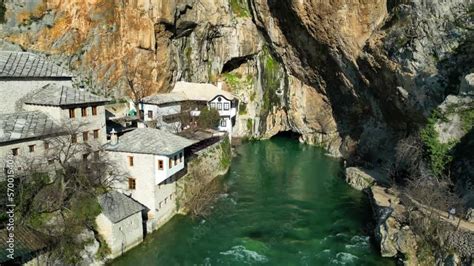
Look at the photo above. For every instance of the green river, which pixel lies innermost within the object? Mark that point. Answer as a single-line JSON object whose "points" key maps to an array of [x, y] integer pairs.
{"points": [[285, 204]]}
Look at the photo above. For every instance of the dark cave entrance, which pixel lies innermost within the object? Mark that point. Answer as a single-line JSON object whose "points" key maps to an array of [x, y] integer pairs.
{"points": [[288, 135]]}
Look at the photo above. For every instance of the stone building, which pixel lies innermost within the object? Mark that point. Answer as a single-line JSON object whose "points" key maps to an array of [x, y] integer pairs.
{"points": [[22, 73], [120, 222], [71, 108], [26, 137], [153, 160], [190, 97]]}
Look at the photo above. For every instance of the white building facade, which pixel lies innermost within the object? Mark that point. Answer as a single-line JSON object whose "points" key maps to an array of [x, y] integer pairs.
{"points": [[120, 223], [151, 159]]}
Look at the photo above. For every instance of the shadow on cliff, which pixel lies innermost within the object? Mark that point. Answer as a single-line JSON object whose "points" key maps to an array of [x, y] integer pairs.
{"points": [[462, 167], [357, 104], [322, 71]]}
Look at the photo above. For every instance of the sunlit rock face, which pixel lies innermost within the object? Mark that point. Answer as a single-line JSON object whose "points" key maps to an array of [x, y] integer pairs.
{"points": [[352, 76]]}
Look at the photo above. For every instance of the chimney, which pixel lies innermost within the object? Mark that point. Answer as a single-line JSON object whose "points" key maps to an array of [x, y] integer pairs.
{"points": [[113, 137], [219, 85]]}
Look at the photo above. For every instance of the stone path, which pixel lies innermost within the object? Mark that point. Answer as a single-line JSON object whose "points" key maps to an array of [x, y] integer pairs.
{"points": [[383, 198]]}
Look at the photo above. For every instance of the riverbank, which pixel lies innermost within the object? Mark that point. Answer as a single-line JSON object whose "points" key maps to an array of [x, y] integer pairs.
{"points": [[400, 219], [284, 203]]}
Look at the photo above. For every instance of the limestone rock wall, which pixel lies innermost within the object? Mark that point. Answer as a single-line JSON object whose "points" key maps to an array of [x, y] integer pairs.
{"points": [[351, 76]]}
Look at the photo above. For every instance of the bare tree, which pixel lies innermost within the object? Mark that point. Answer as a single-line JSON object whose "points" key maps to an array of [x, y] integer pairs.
{"points": [[138, 82], [58, 191], [200, 193]]}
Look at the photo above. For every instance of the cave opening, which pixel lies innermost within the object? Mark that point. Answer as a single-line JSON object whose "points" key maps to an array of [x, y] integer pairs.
{"points": [[288, 135], [235, 63]]}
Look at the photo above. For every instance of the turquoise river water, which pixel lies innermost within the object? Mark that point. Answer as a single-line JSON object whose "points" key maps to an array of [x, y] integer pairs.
{"points": [[285, 204]]}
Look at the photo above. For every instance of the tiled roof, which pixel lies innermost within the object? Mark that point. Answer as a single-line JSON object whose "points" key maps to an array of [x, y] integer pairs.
{"points": [[26, 125], [28, 65], [150, 141], [58, 95], [164, 98], [200, 91], [116, 206], [27, 241]]}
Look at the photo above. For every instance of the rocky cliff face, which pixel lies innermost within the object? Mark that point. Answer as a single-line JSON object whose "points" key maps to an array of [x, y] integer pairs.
{"points": [[352, 76]]}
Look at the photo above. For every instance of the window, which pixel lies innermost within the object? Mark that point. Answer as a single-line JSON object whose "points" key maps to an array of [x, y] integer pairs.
{"points": [[31, 148], [72, 113], [96, 133], [170, 163], [85, 136], [84, 111], [175, 159], [94, 110], [226, 106], [46, 145], [219, 106], [130, 160], [84, 157], [181, 157], [150, 114], [213, 105], [223, 123], [15, 151], [74, 138], [132, 183], [160, 164]]}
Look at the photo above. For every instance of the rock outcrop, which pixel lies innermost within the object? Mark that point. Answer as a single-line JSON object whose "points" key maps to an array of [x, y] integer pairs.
{"points": [[347, 75], [359, 178], [395, 237]]}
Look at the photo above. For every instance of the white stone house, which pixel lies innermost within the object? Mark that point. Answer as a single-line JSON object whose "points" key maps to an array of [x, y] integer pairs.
{"points": [[120, 223], [22, 73], [152, 159], [214, 97], [199, 95], [161, 106]]}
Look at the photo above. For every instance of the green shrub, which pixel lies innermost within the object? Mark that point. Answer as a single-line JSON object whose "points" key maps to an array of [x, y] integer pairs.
{"points": [[242, 108], [209, 118], [250, 125], [438, 153], [467, 118], [226, 157], [240, 8]]}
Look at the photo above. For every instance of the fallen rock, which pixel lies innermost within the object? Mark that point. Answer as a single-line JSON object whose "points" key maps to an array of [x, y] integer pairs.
{"points": [[467, 85], [359, 178], [393, 236]]}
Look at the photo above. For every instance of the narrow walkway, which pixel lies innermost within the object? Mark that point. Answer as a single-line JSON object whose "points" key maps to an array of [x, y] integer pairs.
{"points": [[384, 198], [464, 224]]}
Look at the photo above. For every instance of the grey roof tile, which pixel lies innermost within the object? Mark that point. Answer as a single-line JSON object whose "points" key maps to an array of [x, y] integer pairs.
{"points": [[150, 141], [165, 98], [26, 125], [58, 95], [27, 241], [116, 206], [29, 65]]}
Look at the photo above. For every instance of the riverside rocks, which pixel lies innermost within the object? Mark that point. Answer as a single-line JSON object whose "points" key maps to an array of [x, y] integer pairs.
{"points": [[394, 237], [359, 178]]}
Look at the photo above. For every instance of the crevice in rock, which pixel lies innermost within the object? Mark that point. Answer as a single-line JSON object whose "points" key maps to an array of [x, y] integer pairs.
{"points": [[235, 63]]}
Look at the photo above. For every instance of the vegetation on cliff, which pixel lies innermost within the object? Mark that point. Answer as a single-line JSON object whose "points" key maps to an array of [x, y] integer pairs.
{"points": [[438, 153], [270, 80], [240, 8]]}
